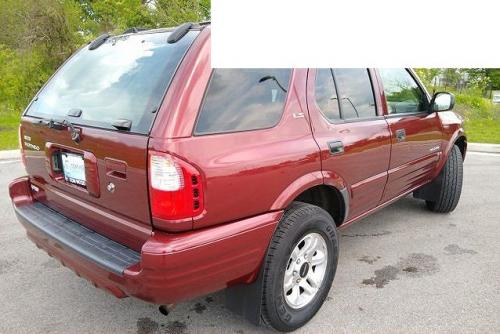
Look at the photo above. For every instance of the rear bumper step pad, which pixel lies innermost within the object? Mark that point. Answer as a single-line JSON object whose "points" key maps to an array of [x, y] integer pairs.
{"points": [[95, 247]]}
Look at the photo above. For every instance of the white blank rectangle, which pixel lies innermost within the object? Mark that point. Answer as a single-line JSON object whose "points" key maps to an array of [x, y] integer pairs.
{"points": [[355, 33]]}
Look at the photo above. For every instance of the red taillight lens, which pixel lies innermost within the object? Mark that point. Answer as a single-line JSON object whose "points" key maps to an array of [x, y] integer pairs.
{"points": [[176, 190], [23, 155]]}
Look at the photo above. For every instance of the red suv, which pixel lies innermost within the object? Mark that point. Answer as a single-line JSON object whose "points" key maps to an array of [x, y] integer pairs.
{"points": [[155, 176]]}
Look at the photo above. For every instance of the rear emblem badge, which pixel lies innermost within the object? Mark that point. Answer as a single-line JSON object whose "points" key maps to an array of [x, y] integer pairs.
{"points": [[75, 135], [111, 187]]}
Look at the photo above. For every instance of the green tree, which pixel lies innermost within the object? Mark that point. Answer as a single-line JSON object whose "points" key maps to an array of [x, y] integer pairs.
{"points": [[174, 12], [477, 78], [50, 26], [428, 75], [494, 76], [116, 16]]}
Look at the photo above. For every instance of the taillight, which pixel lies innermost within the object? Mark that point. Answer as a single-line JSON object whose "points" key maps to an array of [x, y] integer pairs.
{"points": [[23, 154], [176, 191]]}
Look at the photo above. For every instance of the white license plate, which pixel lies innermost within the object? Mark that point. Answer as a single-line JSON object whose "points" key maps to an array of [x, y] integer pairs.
{"points": [[73, 168]]}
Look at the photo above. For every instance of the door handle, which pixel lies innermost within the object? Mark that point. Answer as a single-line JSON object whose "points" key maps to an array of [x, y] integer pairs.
{"points": [[400, 135], [336, 147], [116, 168]]}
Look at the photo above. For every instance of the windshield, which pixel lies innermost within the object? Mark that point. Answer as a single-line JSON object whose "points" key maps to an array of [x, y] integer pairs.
{"points": [[125, 78]]}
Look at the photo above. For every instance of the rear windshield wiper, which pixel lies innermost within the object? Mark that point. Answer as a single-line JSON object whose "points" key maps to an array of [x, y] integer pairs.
{"points": [[122, 124]]}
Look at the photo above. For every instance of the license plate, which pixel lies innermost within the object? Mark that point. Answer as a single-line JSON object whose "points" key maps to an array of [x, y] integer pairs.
{"points": [[73, 168]]}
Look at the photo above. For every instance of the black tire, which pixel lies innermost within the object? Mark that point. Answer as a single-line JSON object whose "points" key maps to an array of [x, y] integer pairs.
{"points": [[299, 220], [450, 188]]}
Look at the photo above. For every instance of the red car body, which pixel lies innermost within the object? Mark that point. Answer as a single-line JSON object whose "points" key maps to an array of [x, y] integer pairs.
{"points": [[249, 178]]}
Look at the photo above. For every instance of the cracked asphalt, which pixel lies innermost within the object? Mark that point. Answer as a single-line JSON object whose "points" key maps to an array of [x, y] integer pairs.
{"points": [[401, 270]]}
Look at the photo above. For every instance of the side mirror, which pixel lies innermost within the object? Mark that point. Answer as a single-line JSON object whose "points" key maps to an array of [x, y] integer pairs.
{"points": [[442, 101]]}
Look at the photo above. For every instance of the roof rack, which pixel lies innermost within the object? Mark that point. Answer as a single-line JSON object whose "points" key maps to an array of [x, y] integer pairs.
{"points": [[99, 41], [179, 32]]}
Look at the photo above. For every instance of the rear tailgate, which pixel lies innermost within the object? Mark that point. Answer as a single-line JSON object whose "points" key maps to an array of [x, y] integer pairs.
{"points": [[112, 160], [108, 96]]}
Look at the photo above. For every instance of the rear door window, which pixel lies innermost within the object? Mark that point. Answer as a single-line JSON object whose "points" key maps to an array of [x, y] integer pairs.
{"points": [[242, 100], [326, 94], [355, 93], [125, 78]]}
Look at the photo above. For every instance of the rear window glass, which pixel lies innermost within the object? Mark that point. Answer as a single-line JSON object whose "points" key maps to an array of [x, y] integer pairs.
{"points": [[243, 99], [125, 78]]}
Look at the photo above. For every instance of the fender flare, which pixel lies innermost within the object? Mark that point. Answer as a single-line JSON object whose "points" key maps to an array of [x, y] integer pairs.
{"points": [[449, 145], [308, 181]]}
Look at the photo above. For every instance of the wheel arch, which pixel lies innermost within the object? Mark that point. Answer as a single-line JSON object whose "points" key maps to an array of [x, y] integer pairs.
{"points": [[329, 192], [461, 142], [460, 139]]}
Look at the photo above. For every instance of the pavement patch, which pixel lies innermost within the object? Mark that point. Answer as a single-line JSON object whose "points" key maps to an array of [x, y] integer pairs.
{"points": [[147, 326], [379, 234], [199, 308], [382, 276], [414, 265], [176, 327], [418, 264], [6, 265], [369, 259], [454, 249], [51, 264]]}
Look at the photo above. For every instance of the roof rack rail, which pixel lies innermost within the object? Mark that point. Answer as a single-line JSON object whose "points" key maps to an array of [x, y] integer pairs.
{"points": [[99, 41], [179, 32], [133, 30]]}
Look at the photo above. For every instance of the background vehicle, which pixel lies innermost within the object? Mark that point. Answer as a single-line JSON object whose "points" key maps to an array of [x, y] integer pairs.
{"points": [[154, 176]]}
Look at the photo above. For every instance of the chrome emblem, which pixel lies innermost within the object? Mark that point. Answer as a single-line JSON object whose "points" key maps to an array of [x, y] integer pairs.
{"points": [[111, 187], [434, 149], [75, 135]]}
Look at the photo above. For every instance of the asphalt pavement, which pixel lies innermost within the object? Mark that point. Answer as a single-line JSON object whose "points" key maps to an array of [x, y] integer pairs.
{"points": [[401, 270]]}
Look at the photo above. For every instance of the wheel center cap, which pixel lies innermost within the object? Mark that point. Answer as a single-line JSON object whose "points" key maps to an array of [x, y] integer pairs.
{"points": [[304, 269]]}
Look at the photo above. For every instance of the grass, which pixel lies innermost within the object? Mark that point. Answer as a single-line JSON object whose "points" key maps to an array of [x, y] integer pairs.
{"points": [[9, 123], [483, 131], [482, 117]]}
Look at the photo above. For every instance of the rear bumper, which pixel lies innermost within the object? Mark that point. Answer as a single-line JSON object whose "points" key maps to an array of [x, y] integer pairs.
{"points": [[170, 267]]}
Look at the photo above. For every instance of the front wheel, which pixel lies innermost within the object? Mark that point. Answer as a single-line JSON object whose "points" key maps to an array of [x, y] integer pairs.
{"points": [[299, 267], [450, 184]]}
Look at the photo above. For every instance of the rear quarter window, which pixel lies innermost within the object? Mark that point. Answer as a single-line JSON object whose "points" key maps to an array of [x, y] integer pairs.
{"points": [[242, 100]]}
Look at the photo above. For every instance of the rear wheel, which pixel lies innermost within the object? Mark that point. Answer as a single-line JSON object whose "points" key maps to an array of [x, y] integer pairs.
{"points": [[450, 184], [299, 267]]}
